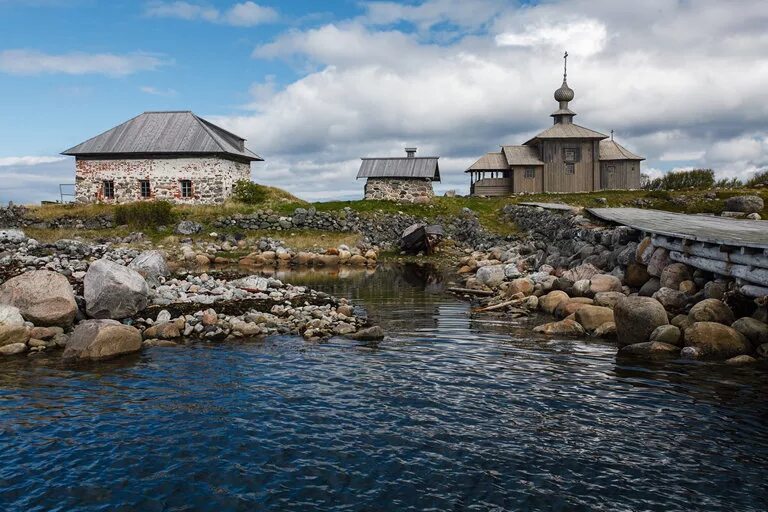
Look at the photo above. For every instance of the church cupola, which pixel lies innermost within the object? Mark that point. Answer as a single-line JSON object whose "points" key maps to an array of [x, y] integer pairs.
{"points": [[563, 95]]}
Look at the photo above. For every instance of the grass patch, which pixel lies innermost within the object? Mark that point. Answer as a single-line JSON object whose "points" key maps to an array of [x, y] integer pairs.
{"points": [[49, 236], [145, 215], [79, 211]]}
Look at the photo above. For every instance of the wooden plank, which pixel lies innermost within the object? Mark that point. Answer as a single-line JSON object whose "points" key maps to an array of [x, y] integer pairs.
{"points": [[550, 206], [700, 228]]}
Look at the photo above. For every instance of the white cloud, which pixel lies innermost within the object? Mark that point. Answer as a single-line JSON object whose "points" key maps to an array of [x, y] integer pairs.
{"points": [[30, 179], [582, 37], [155, 91], [245, 14], [679, 83], [32, 62], [28, 160]]}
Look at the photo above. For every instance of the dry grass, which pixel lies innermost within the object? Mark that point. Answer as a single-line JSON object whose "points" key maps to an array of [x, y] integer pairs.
{"points": [[80, 211], [53, 235], [306, 239]]}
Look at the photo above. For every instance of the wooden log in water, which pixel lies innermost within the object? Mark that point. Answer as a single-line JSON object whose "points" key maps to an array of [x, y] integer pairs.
{"points": [[470, 291]]}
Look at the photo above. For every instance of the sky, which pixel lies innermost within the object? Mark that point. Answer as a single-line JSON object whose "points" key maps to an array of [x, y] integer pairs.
{"points": [[315, 85]]}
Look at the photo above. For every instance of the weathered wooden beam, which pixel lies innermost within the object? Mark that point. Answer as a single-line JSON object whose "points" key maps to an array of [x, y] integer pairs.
{"points": [[755, 275], [751, 290], [742, 257]]}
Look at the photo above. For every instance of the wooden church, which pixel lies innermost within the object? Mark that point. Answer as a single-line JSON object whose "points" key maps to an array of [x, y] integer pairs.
{"points": [[565, 157]]}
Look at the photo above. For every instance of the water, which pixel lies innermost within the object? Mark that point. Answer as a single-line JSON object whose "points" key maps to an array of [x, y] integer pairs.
{"points": [[449, 413]]}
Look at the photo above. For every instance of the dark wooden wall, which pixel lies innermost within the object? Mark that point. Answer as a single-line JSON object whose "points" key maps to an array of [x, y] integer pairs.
{"points": [[626, 175], [527, 185], [586, 175]]}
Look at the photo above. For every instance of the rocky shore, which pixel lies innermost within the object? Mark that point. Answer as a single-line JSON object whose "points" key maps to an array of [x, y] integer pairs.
{"points": [[97, 301], [608, 282]]}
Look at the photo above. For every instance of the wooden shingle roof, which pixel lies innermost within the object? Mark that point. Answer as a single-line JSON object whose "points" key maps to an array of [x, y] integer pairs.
{"points": [[521, 155], [165, 133], [567, 131], [612, 150], [490, 162], [400, 167]]}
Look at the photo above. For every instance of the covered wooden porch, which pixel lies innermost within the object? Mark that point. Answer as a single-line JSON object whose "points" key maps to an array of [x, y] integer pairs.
{"points": [[491, 183]]}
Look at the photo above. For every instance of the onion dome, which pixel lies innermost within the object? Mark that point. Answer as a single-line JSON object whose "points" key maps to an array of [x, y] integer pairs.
{"points": [[564, 93]]}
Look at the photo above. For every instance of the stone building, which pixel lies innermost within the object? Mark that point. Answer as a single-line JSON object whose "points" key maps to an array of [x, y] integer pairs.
{"points": [[406, 179], [563, 158], [172, 156]]}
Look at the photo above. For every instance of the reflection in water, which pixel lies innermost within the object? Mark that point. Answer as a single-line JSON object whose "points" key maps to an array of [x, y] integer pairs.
{"points": [[447, 413]]}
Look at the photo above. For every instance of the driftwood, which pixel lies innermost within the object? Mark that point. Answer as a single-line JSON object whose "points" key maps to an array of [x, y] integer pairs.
{"points": [[501, 305], [470, 291]]}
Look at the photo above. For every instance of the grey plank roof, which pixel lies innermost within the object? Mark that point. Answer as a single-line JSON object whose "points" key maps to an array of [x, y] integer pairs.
{"points": [[700, 228], [401, 167], [568, 131], [521, 155], [176, 132], [551, 206], [612, 150], [490, 162]]}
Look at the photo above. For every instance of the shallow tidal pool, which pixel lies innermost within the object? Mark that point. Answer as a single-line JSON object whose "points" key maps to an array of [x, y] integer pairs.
{"points": [[447, 413]]}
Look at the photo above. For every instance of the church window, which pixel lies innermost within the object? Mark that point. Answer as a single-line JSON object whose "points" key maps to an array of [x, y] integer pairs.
{"points": [[571, 154]]}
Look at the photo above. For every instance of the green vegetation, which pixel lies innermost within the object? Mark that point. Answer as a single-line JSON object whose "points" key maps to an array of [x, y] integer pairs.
{"points": [[679, 180], [145, 215], [248, 192], [760, 179]]}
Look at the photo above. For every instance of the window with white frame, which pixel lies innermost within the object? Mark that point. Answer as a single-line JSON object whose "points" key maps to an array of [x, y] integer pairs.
{"points": [[146, 189], [570, 169], [186, 188], [108, 189]]}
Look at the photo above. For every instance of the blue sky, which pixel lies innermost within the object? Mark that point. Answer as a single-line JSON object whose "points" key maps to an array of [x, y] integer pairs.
{"points": [[315, 85]]}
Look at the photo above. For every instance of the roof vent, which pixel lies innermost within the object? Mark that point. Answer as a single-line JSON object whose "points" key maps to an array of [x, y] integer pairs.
{"points": [[410, 152]]}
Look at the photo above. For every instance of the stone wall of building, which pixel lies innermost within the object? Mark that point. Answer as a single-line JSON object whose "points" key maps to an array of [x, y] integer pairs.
{"points": [[412, 191], [212, 179]]}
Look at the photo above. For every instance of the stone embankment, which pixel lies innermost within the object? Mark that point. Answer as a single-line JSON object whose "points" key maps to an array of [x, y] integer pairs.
{"points": [[377, 228], [608, 282], [96, 302]]}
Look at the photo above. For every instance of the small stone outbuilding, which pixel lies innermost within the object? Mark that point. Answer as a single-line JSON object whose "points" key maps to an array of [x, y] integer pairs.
{"points": [[173, 156], [406, 179]]}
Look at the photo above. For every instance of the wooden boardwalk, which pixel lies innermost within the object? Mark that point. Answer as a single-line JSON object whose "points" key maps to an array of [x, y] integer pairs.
{"points": [[699, 228], [551, 206]]}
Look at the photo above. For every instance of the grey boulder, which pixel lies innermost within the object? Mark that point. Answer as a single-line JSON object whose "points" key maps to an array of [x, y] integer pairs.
{"points": [[151, 265], [744, 204], [113, 291], [187, 227]]}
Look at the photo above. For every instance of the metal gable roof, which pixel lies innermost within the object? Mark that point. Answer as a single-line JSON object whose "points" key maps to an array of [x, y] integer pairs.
{"points": [[612, 150], [403, 167], [165, 133]]}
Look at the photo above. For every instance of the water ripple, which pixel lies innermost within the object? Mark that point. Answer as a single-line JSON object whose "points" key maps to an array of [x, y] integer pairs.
{"points": [[447, 414]]}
